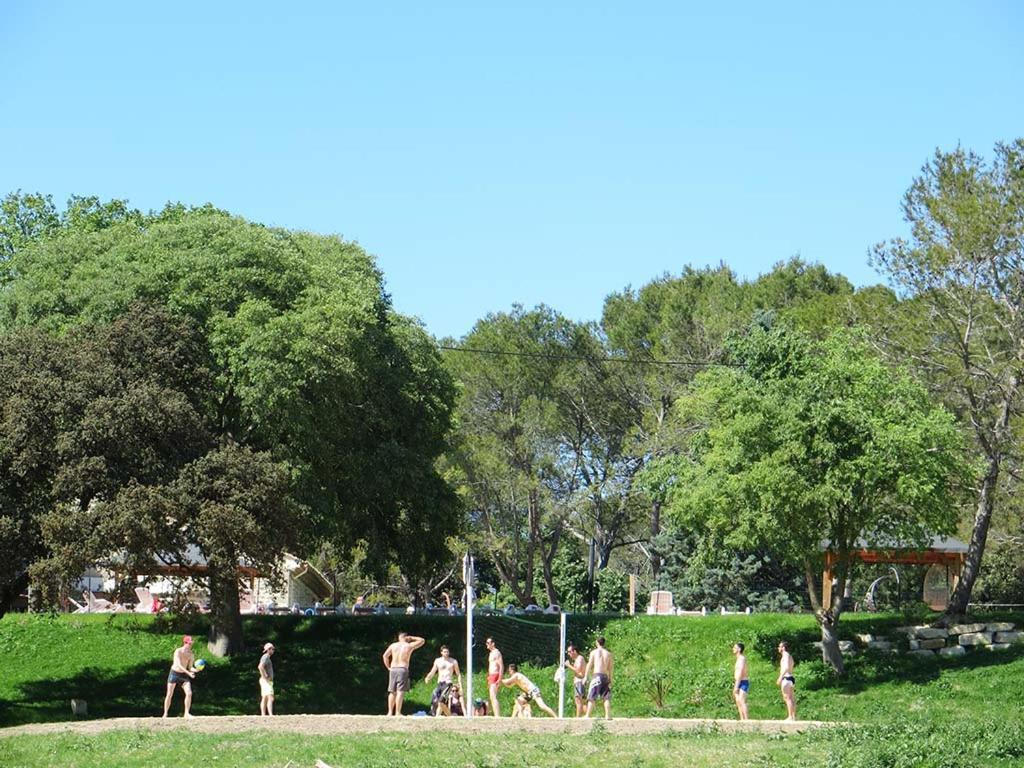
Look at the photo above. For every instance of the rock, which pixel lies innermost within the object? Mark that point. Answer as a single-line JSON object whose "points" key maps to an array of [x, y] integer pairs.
{"points": [[79, 708], [953, 650], [919, 654], [909, 631], [997, 647], [865, 639], [880, 645], [915, 645], [1009, 637], [937, 642], [999, 626], [930, 633], [847, 646], [966, 629], [976, 638]]}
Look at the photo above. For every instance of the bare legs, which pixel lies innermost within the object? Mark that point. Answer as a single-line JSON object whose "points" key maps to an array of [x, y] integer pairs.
{"points": [[187, 688]]}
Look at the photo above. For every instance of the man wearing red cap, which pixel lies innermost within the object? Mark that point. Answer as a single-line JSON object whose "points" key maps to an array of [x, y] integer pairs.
{"points": [[266, 670], [182, 672]]}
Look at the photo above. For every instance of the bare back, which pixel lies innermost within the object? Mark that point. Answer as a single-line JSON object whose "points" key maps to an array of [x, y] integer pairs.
{"points": [[601, 662], [400, 652]]}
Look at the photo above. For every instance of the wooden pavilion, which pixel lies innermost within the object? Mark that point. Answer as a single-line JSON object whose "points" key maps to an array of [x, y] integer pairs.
{"points": [[944, 555]]}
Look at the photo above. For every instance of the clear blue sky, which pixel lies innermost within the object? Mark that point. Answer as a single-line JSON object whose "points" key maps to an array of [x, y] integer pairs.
{"points": [[550, 152]]}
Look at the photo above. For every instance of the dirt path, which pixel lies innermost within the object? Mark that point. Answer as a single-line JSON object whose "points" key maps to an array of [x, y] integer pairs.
{"points": [[330, 725]]}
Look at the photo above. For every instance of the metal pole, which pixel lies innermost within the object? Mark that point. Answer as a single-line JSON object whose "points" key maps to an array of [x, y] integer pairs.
{"points": [[561, 665], [468, 577]]}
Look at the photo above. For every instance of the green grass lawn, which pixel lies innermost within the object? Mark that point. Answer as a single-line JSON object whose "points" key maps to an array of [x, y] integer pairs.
{"points": [[910, 710]]}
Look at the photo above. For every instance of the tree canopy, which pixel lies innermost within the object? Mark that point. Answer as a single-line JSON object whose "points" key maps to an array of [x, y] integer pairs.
{"points": [[802, 443], [305, 359]]}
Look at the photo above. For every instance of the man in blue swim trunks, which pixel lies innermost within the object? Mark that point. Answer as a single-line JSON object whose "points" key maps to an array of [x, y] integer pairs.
{"points": [[741, 683]]}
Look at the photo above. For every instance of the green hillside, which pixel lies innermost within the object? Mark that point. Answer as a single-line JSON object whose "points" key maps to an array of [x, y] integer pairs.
{"points": [[666, 666]]}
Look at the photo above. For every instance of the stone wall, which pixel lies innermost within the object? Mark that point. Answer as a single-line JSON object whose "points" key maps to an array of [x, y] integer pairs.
{"points": [[927, 642]]}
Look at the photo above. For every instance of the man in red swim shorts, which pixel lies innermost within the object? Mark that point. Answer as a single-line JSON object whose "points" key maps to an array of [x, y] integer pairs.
{"points": [[495, 670]]}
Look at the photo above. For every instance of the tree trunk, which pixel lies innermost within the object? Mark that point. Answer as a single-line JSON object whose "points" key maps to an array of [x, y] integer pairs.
{"points": [[1001, 435], [10, 591], [225, 618], [547, 557], [979, 535], [655, 530], [830, 652]]}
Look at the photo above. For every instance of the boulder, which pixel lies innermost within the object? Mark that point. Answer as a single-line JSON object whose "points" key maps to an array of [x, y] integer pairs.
{"points": [[966, 629], [953, 650], [976, 638], [919, 654], [865, 639], [915, 645], [1009, 637], [999, 626], [997, 647], [880, 645], [847, 646], [908, 631], [930, 633], [937, 642]]}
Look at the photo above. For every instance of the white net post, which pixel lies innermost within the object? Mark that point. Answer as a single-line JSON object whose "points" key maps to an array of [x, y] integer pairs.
{"points": [[467, 577], [561, 665]]}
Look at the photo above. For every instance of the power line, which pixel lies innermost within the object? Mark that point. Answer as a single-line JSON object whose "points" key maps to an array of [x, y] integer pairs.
{"points": [[581, 358]]}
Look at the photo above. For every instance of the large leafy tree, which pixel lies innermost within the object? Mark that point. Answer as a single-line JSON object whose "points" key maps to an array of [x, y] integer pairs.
{"points": [[961, 275], [107, 461], [505, 454], [799, 443], [308, 362]]}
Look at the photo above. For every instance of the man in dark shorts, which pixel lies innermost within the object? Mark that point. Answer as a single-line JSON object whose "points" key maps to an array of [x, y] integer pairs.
{"points": [[578, 665], [396, 661], [182, 673], [599, 669]]}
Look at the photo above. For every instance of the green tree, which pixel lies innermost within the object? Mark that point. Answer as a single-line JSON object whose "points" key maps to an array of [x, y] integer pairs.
{"points": [[961, 275], [803, 442], [307, 360], [505, 451]]}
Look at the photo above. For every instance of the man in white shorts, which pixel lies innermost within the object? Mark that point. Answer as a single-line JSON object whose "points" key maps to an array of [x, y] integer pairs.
{"points": [[531, 693], [266, 670]]}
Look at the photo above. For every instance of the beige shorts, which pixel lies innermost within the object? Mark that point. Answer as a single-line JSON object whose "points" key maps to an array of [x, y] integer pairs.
{"points": [[266, 687]]}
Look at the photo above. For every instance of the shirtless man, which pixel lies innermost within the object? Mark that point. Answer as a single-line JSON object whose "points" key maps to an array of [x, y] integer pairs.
{"points": [[531, 693], [578, 665], [599, 670], [396, 661], [444, 667], [741, 683], [786, 681], [495, 669], [182, 673]]}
